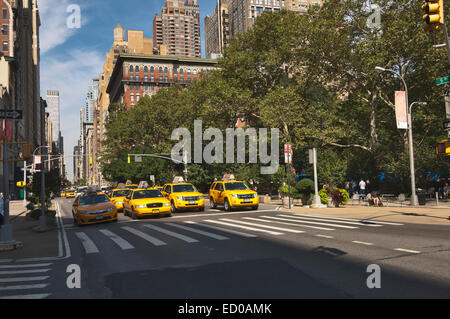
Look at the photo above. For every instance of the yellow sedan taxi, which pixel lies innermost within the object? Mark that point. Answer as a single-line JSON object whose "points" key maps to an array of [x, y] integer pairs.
{"points": [[145, 202], [183, 196], [232, 194], [71, 194], [117, 197], [92, 208]]}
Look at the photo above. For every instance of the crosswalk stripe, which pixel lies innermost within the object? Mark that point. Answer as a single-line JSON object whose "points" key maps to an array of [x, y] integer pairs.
{"points": [[23, 279], [22, 287], [24, 266], [317, 223], [225, 230], [296, 223], [243, 227], [362, 243], [340, 222], [350, 219], [263, 226], [153, 240], [173, 234], [35, 296], [407, 250], [32, 271], [201, 232], [87, 243], [324, 236], [122, 243]]}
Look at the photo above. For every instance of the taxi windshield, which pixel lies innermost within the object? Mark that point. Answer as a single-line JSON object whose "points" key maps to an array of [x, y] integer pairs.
{"points": [[97, 199], [183, 188], [236, 186], [121, 193], [151, 193]]}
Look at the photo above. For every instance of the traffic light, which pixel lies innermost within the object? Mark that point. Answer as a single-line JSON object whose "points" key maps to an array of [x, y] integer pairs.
{"points": [[129, 159], [443, 148], [434, 14]]}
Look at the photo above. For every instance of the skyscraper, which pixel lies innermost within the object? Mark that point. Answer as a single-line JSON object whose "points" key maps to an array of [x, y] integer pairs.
{"points": [[217, 30], [178, 28], [53, 107], [90, 100]]}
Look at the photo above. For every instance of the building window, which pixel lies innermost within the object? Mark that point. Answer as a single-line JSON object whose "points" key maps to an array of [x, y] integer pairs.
{"points": [[5, 45], [131, 73], [181, 76], [5, 14], [137, 73], [4, 29], [160, 74], [132, 98], [152, 74]]}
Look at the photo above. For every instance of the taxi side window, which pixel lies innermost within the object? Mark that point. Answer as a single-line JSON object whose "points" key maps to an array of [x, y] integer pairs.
{"points": [[129, 195], [212, 186], [219, 187], [169, 189]]}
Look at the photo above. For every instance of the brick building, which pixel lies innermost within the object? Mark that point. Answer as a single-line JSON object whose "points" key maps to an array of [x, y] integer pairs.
{"points": [[136, 75]]}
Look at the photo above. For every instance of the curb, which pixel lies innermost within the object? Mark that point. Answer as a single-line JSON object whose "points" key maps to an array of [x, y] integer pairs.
{"points": [[11, 246]]}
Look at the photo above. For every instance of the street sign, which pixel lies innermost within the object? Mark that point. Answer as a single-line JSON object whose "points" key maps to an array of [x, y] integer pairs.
{"points": [[287, 153], [447, 125], [443, 80], [11, 114]]}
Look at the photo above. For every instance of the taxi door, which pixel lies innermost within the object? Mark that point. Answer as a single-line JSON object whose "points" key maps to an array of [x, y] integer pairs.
{"points": [[126, 202], [218, 193]]}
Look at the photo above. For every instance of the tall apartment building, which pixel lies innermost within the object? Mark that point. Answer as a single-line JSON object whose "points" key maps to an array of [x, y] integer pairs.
{"points": [[217, 30], [244, 12], [53, 108], [178, 28], [134, 42], [20, 76], [91, 97]]}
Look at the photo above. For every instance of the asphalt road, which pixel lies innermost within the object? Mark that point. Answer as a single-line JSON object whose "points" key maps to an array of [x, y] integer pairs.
{"points": [[241, 254]]}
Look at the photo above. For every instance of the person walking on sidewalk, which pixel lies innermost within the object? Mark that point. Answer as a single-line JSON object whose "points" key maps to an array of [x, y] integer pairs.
{"points": [[362, 187], [1, 209]]}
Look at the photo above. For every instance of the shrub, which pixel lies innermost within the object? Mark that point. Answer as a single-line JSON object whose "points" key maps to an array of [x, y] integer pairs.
{"points": [[284, 191], [345, 196], [305, 189], [323, 196], [336, 196]]}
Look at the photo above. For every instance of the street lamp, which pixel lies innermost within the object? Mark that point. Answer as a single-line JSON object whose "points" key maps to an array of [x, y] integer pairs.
{"points": [[42, 220], [410, 135]]}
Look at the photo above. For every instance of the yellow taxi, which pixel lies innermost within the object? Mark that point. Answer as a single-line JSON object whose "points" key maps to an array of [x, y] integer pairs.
{"points": [[160, 188], [183, 196], [71, 193], [93, 208], [145, 202], [117, 196], [63, 193], [132, 186], [232, 194]]}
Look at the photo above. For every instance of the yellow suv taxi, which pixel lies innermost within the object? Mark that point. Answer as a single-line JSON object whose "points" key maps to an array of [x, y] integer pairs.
{"points": [[232, 194], [71, 194], [183, 196], [145, 202], [117, 197]]}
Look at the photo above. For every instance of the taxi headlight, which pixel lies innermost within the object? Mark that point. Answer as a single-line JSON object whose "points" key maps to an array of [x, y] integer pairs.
{"points": [[235, 196], [255, 195], [180, 198], [166, 204], [141, 206], [118, 203]]}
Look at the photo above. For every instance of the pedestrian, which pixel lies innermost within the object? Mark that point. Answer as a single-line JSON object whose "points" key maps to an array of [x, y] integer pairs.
{"points": [[368, 187], [362, 187], [1, 209]]}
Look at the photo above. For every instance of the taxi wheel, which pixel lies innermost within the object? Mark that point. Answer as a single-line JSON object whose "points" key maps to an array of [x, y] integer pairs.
{"points": [[133, 215], [173, 209], [226, 205], [201, 209], [212, 204], [255, 207]]}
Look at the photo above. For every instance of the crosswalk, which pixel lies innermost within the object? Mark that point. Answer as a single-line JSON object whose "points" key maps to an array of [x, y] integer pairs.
{"points": [[221, 229], [25, 281]]}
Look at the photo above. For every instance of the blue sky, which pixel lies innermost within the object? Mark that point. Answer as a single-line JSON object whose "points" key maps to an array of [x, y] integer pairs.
{"points": [[71, 58]]}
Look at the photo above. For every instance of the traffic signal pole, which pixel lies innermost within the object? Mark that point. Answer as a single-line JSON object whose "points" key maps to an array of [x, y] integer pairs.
{"points": [[447, 42]]}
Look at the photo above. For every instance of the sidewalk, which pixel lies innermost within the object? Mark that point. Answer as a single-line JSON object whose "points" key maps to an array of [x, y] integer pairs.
{"points": [[415, 215], [35, 244]]}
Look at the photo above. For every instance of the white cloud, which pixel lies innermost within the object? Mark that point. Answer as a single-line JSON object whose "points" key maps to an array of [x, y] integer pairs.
{"points": [[71, 75], [54, 30]]}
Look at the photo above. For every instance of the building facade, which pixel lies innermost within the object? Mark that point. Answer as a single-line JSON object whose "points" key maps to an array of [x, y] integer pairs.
{"points": [[136, 76], [217, 30], [53, 108], [178, 28]]}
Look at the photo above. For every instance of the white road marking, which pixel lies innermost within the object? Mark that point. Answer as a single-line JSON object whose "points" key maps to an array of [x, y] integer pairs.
{"points": [[201, 232], [36, 296], [15, 272], [153, 240], [349, 219], [22, 287], [222, 229], [223, 213], [362, 243], [317, 223], [173, 234], [338, 221], [122, 243], [87, 243], [296, 221], [408, 251], [243, 227], [324, 236], [24, 266], [6, 260], [23, 279], [264, 226]]}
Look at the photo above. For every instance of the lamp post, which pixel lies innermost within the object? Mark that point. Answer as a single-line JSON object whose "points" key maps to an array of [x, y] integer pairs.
{"points": [[42, 219], [410, 135]]}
